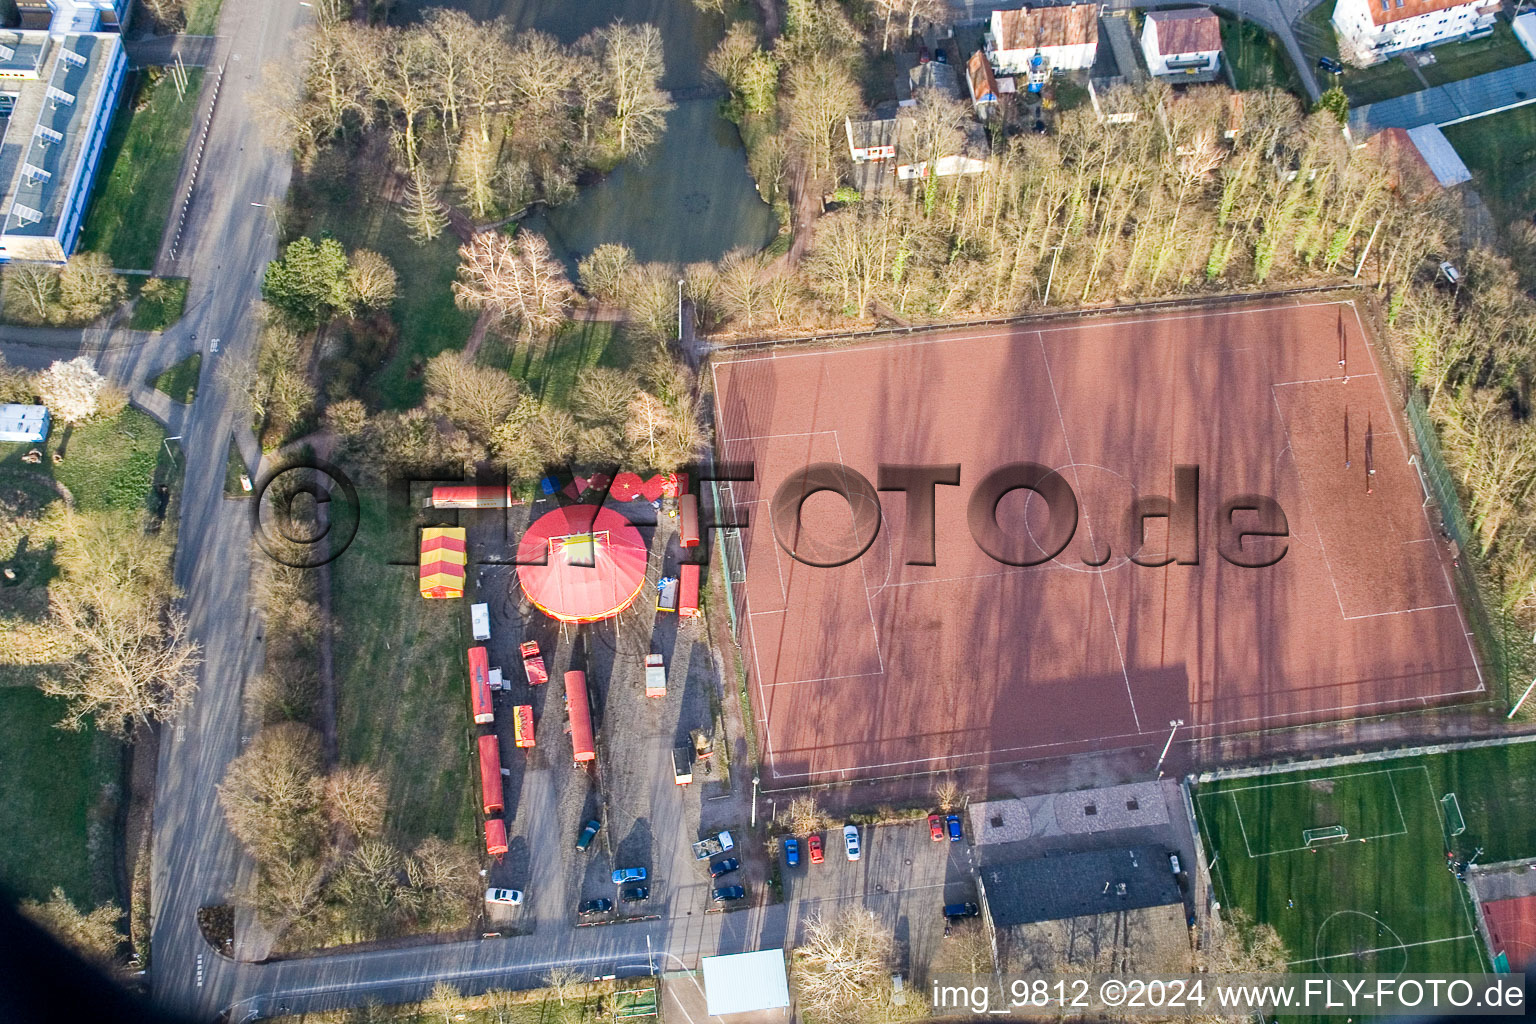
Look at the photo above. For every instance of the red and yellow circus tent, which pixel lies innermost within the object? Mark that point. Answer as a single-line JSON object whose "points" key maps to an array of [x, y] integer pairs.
{"points": [[442, 562]]}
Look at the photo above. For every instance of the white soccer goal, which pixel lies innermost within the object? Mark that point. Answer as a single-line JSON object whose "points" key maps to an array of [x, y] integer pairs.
{"points": [[1326, 834]]}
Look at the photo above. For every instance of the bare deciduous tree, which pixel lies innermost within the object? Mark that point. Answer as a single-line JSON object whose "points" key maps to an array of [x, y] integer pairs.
{"points": [[630, 60], [134, 663], [372, 279], [517, 279], [841, 966], [354, 799], [272, 794], [821, 94], [476, 398], [71, 389]]}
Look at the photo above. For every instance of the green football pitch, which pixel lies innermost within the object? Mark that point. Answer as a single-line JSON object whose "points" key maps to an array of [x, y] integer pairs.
{"points": [[1348, 865]]}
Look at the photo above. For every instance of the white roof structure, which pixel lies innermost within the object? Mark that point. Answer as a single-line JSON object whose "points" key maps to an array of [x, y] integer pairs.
{"points": [[745, 982], [1440, 155]]}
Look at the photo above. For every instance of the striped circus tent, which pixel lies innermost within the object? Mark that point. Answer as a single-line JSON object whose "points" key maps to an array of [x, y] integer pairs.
{"points": [[442, 562]]}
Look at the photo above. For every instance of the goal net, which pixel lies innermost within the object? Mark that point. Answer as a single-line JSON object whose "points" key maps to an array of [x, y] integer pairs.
{"points": [[1455, 824], [1326, 834]]}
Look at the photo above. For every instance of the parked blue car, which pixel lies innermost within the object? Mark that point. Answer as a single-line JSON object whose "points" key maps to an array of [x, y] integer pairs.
{"points": [[953, 821], [792, 852], [623, 875]]}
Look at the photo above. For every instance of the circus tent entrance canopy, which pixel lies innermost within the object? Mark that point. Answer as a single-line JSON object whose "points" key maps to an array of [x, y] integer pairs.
{"points": [[593, 563]]}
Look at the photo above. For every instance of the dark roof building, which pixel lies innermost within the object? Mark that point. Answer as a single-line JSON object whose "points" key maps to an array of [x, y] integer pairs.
{"points": [[1077, 885]]}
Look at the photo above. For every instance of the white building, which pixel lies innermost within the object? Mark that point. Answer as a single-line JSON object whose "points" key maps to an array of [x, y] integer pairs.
{"points": [[1182, 42], [1370, 31], [1065, 38], [23, 423]]}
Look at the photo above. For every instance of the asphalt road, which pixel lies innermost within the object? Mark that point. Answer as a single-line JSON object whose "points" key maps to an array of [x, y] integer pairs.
{"points": [[228, 243]]}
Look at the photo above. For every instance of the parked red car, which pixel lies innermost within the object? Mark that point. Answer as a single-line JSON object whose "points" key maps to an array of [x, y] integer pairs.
{"points": [[936, 827], [814, 845]]}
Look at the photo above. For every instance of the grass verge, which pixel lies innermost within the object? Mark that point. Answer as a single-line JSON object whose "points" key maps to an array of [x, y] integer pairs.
{"points": [[159, 304], [402, 703], [180, 381], [58, 795], [1473, 57], [132, 199], [202, 17], [1381, 899], [234, 469]]}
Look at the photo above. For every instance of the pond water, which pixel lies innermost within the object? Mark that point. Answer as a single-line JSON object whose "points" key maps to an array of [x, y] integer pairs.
{"points": [[692, 199]]}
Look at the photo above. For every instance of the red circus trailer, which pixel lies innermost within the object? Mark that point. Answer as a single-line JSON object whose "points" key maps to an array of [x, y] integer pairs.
{"points": [[688, 590], [490, 775], [474, 496], [688, 529], [480, 686], [522, 725], [495, 837], [580, 711]]}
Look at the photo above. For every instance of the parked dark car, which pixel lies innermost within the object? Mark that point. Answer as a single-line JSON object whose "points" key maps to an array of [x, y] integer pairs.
{"points": [[957, 911], [587, 832], [953, 822], [727, 893], [1330, 65], [723, 867], [791, 851], [639, 894], [590, 907], [940, 56]]}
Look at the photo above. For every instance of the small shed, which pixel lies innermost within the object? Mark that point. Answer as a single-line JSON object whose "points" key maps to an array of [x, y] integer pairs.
{"points": [[745, 982], [23, 423]]}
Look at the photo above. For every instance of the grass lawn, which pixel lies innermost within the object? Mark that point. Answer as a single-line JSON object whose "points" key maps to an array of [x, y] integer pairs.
{"points": [[132, 199], [111, 464], [202, 17], [402, 698], [160, 305], [58, 794], [180, 381], [1257, 59], [1500, 150], [429, 320], [551, 370], [234, 466], [1456, 61], [1389, 903]]}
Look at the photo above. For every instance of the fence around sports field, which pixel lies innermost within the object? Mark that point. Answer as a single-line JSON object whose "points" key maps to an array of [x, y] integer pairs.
{"points": [[1507, 652]]}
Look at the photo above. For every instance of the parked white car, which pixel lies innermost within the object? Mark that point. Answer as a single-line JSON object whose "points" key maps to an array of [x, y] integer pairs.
{"points": [[851, 841], [506, 897]]}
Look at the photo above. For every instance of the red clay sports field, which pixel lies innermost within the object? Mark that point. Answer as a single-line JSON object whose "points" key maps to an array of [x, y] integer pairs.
{"points": [[880, 668]]}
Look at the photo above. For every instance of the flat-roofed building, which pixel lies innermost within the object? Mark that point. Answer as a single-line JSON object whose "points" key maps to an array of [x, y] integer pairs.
{"points": [[59, 88]]}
